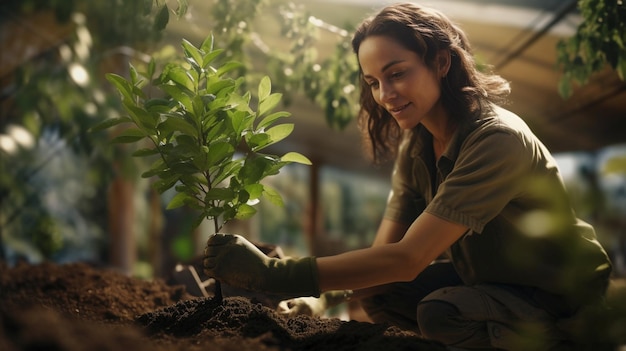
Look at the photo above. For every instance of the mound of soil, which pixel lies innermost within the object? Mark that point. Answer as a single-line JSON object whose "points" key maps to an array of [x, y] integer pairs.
{"points": [[80, 307]]}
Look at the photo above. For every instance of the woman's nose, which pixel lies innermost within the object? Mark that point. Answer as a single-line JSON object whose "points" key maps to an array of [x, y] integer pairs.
{"points": [[387, 92]]}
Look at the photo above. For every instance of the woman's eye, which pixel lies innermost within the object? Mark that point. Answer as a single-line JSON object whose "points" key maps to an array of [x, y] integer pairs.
{"points": [[373, 84], [396, 75]]}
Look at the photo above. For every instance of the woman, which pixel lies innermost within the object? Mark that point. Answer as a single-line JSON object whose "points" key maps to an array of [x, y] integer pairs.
{"points": [[479, 247]]}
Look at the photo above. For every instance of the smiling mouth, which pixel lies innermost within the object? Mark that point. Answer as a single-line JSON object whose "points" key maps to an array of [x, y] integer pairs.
{"points": [[399, 108]]}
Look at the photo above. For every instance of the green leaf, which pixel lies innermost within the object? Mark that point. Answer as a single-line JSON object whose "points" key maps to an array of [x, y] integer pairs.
{"points": [[265, 88], [200, 158], [239, 122], [162, 17], [216, 130], [145, 152], [273, 117], [215, 86], [190, 190], [229, 213], [184, 167], [207, 98], [129, 135], [269, 103], [195, 179], [242, 197], [273, 196], [254, 190], [179, 200], [192, 52], [142, 118], [177, 94], [207, 44], [151, 68], [274, 168], [180, 76], [245, 211], [280, 132], [162, 185], [214, 211], [210, 57], [194, 74], [198, 105], [134, 76], [296, 157], [157, 168], [187, 146], [227, 67], [253, 170], [121, 84], [220, 194], [226, 170], [218, 151], [176, 123], [157, 105], [239, 102], [108, 123], [257, 141]]}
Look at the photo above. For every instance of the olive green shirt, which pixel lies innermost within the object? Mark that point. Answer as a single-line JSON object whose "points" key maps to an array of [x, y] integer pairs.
{"points": [[499, 180]]}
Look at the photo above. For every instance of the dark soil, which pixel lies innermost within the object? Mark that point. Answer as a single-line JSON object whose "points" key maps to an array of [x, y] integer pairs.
{"points": [[79, 307]]}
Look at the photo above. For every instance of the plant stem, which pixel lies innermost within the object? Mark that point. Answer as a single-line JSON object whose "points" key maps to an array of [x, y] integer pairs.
{"points": [[218, 292], [218, 285]]}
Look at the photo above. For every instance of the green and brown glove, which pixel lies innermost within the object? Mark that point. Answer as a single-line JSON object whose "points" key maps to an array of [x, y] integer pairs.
{"points": [[237, 262]]}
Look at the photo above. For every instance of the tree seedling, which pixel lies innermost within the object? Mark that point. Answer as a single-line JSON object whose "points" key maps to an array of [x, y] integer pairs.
{"points": [[206, 137]]}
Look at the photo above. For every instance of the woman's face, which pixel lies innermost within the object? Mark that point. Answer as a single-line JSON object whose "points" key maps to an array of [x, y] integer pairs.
{"points": [[399, 81]]}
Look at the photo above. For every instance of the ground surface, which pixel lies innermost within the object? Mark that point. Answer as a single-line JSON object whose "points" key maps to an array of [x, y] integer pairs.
{"points": [[78, 307]]}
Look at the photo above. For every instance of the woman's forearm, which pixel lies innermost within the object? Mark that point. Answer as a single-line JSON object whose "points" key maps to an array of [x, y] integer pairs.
{"points": [[423, 242], [366, 268]]}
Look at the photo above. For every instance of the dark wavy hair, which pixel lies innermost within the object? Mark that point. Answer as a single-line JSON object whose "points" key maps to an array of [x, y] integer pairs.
{"points": [[466, 90]]}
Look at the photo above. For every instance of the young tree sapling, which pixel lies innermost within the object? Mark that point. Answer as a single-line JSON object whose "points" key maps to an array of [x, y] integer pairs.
{"points": [[207, 136]]}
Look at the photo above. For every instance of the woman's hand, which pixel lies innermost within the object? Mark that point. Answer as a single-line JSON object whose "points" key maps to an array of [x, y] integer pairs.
{"points": [[235, 261]]}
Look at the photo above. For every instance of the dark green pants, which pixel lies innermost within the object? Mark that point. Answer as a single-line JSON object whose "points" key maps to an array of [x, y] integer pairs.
{"points": [[439, 307]]}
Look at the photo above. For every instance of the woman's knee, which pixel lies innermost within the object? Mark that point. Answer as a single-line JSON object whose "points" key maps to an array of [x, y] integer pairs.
{"points": [[436, 319]]}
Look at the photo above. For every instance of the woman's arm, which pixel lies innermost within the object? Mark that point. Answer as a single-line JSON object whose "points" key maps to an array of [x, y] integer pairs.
{"points": [[389, 232], [388, 261]]}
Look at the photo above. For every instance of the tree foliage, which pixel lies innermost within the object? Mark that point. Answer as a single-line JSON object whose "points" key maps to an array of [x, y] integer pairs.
{"points": [[600, 40], [197, 126]]}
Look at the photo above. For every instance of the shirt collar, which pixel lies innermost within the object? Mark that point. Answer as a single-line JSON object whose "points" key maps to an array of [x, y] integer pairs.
{"points": [[421, 145]]}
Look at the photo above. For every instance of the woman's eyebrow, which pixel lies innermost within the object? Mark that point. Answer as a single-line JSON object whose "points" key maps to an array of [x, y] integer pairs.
{"points": [[386, 67]]}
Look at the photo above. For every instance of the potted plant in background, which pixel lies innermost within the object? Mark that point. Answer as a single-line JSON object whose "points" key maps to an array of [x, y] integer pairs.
{"points": [[207, 137]]}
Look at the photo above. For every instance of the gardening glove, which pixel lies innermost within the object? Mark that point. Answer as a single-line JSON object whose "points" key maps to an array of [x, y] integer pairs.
{"points": [[312, 306], [235, 261]]}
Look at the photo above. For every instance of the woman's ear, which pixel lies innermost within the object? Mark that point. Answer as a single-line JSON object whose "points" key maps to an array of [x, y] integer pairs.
{"points": [[443, 62]]}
